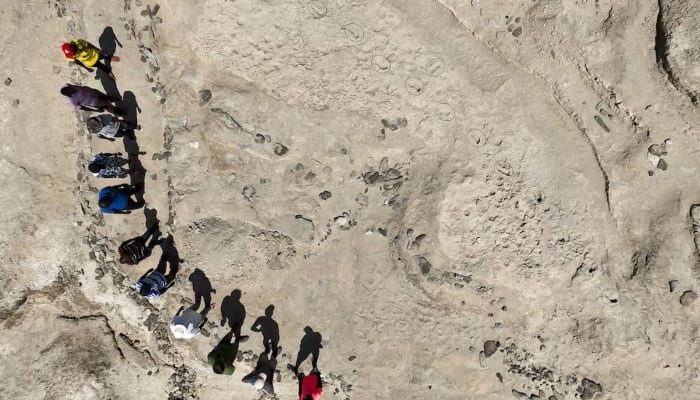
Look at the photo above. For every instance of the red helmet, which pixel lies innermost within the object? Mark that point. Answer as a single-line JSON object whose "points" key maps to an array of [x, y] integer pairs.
{"points": [[67, 50]]}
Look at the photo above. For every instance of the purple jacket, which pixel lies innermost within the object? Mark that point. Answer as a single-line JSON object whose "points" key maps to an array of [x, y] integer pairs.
{"points": [[84, 96]]}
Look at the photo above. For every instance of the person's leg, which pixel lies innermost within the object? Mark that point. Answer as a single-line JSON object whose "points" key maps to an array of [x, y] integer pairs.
{"points": [[106, 56], [133, 205], [103, 67], [150, 232], [162, 264], [197, 302]]}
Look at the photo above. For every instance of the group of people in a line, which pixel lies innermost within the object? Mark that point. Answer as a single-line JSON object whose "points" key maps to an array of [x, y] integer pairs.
{"points": [[123, 198]]}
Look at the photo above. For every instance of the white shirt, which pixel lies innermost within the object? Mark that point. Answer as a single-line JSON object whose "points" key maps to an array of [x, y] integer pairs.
{"points": [[186, 325]]}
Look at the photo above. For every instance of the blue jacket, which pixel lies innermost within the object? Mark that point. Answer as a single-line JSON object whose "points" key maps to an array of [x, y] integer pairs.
{"points": [[155, 281], [120, 199]]}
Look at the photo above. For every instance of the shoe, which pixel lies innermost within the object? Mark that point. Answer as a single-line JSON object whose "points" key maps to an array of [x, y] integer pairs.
{"points": [[115, 58], [242, 339], [138, 127]]}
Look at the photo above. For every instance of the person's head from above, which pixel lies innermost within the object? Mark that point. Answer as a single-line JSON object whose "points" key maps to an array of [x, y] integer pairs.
{"points": [[95, 167], [269, 310], [69, 49], [144, 290], [68, 91], [219, 367], [105, 201], [94, 124], [126, 259], [236, 294], [308, 330]]}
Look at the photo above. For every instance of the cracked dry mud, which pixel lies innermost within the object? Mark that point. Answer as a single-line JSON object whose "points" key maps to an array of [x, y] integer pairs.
{"points": [[467, 199]]}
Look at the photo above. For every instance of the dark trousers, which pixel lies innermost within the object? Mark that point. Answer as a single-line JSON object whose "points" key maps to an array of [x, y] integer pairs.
{"points": [[162, 266], [106, 68]]}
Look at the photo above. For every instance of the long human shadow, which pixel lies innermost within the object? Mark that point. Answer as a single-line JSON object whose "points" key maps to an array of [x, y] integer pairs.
{"points": [[151, 215], [233, 312], [270, 330], [201, 285], [108, 43], [171, 256], [110, 87], [311, 345], [130, 111]]}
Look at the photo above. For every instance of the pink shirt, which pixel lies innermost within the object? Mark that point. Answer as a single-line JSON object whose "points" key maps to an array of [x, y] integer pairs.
{"points": [[310, 386]]}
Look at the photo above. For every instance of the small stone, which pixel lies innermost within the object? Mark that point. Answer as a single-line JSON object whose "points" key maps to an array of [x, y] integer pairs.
{"points": [[204, 96], [482, 359], [499, 376], [391, 174], [8, 81], [325, 195], [695, 214], [351, 358], [362, 199], [384, 164], [490, 347], [371, 177], [280, 149], [688, 297], [672, 285], [662, 165], [424, 265], [520, 395], [588, 389]]}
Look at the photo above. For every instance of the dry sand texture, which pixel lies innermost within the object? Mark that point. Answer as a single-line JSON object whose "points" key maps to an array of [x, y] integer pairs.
{"points": [[410, 178]]}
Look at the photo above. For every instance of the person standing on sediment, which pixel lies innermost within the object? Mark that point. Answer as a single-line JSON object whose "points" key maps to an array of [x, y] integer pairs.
{"points": [[109, 127], [188, 322], [154, 283], [117, 199], [88, 55], [109, 165], [310, 386], [88, 99], [135, 250], [222, 356]]}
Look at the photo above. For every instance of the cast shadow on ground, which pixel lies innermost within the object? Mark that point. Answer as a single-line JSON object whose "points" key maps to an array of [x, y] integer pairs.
{"points": [[201, 285], [270, 330], [171, 256], [151, 215], [233, 312], [311, 345], [130, 110], [110, 87]]}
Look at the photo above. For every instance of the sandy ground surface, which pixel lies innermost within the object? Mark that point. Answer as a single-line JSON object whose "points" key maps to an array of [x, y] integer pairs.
{"points": [[467, 199]]}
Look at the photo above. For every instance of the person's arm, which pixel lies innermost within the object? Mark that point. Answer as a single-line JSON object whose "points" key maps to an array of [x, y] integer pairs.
{"points": [[300, 378], [105, 137]]}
